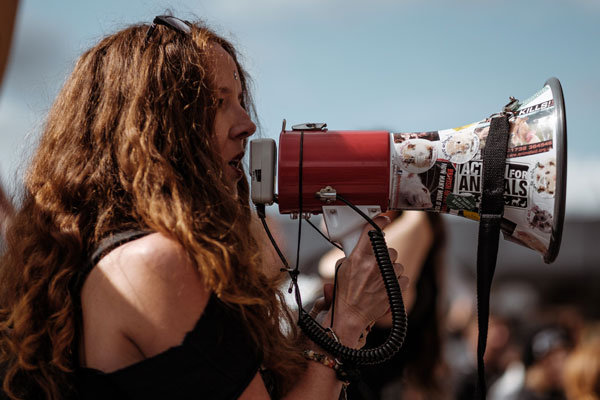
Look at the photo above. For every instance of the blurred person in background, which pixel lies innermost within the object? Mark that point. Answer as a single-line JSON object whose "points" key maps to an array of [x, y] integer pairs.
{"points": [[544, 357], [581, 374], [514, 305], [8, 16], [508, 371], [502, 353], [417, 371]]}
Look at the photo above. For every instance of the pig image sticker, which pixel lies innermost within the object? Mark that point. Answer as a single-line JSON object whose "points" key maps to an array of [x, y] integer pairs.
{"points": [[461, 147], [411, 193], [416, 155]]}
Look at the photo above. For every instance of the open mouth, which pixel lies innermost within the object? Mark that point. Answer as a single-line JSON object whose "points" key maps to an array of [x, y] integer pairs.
{"points": [[236, 164]]}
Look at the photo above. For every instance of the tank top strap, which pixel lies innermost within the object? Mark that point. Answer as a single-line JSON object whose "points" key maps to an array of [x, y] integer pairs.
{"points": [[110, 243], [104, 247]]}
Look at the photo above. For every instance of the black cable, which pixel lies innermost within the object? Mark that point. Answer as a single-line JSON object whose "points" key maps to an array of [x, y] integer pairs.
{"points": [[299, 199], [323, 235], [294, 273], [260, 210], [335, 281], [362, 214], [348, 355]]}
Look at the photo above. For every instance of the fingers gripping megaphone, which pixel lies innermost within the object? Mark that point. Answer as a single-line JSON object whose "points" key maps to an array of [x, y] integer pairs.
{"points": [[439, 171]]}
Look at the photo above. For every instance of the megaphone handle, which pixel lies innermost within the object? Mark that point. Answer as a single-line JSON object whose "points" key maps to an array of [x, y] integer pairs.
{"points": [[344, 225], [349, 241]]}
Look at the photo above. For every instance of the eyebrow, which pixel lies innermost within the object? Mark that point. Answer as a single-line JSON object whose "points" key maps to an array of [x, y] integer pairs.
{"points": [[224, 90]]}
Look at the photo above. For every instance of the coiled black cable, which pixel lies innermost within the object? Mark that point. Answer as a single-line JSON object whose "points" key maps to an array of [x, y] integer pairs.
{"points": [[394, 342], [318, 334]]}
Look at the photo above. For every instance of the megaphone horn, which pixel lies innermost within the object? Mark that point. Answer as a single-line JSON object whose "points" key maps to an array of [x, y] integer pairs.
{"points": [[438, 171]]}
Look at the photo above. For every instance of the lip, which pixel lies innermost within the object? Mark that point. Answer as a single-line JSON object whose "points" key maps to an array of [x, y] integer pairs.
{"points": [[238, 157], [235, 173], [234, 165]]}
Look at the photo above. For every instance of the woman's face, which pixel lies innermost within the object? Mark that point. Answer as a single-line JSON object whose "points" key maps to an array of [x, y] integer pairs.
{"points": [[232, 123]]}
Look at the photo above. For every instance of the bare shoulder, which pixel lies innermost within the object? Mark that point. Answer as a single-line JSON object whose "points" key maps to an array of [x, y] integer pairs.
{"points": [[152, 291]]}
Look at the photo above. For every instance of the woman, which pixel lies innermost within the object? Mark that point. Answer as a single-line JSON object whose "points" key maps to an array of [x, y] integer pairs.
{"points": [[131, 270]]}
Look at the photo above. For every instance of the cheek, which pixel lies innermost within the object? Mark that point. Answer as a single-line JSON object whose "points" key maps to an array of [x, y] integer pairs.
{"points": [[220, 133]]}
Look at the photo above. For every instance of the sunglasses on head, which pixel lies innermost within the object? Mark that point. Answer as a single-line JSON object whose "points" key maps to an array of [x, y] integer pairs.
{"points": [[174, 23]]}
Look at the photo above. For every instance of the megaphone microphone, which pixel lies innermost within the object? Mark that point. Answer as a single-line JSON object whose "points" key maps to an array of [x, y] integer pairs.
{"points": [[520, 177]]}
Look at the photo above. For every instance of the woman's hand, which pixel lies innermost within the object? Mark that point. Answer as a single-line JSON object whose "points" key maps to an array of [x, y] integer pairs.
{"points": [[361, 298]]}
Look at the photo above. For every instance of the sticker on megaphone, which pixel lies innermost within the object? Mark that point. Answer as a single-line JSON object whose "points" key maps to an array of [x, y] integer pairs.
{"points": [[452, 183]]}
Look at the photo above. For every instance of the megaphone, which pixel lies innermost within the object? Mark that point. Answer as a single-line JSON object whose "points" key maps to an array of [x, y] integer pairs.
{"points": [[437, 171]]}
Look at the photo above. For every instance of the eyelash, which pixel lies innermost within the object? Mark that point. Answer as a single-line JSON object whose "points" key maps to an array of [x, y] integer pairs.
{"points": [[221, 102]]}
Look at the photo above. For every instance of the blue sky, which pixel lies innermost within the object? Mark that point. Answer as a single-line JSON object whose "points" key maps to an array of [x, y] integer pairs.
{"points": [[397, 65]]}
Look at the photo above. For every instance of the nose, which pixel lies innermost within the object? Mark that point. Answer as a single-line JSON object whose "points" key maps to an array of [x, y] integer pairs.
{"points": [[245, 127]]}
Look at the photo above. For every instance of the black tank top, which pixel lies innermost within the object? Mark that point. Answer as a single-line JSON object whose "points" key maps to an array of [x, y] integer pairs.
{"points": [[217, 359]]}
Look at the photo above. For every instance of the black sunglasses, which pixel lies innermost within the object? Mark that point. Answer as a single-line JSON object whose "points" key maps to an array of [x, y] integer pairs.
{"points": [[174, 23]]}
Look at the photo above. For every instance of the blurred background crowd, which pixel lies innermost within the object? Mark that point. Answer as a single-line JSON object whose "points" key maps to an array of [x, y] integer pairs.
{"points": [[402, 66]]}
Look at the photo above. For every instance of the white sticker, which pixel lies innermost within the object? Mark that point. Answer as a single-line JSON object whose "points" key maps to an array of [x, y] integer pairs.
{"points": [[540, 219], [543, 177], [461, 146], [416, 155]]}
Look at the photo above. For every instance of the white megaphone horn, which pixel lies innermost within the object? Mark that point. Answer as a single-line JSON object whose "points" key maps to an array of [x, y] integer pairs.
{"points": [[439, 171]]}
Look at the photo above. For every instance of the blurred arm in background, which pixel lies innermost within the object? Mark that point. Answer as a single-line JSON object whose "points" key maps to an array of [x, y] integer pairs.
{"points": [[7, 22]]}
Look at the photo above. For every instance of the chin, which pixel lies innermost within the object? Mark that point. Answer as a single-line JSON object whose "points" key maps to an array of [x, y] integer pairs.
{"points": [[232, 187]]}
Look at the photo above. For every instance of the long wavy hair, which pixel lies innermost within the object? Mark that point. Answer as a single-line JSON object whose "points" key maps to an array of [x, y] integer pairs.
{"points": [[129, 144]]}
